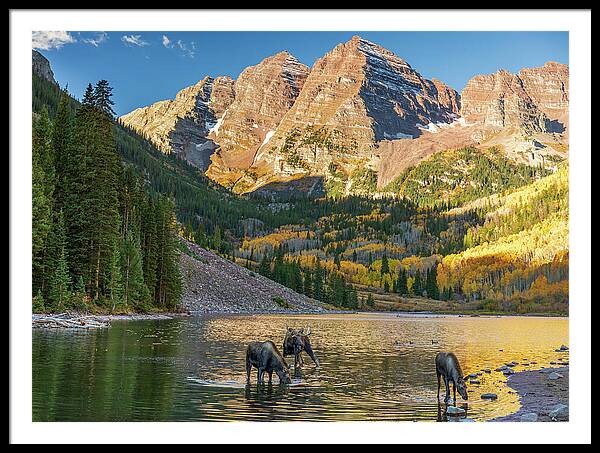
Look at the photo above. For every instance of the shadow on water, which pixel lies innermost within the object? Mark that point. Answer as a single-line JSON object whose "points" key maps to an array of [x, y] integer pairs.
{"points": [[372, 367]]}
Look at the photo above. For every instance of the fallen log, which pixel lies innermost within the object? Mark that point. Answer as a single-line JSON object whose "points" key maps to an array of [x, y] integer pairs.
{"points": [[68, 321]]}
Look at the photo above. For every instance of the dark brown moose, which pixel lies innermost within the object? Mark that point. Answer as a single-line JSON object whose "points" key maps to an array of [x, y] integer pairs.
{"points": [[295, 342], [447, 366], [266, 357]]}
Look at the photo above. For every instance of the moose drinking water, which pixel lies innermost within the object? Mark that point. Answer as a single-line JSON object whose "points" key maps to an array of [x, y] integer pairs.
{"points": [[295, 342], [266, 357], [447, 366]]}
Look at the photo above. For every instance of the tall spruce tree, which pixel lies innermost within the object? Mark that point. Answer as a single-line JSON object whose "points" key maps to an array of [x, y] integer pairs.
{"points": [[115, 285], [41, 202], [135, 292], [59, 284], [168, 284], [103, 98], [385, 265], [61, 147]]}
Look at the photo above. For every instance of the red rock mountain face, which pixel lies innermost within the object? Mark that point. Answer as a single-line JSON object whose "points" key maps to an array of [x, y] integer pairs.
{"points": [[525, 114], [355, 96], [263, 94], [359, 107], [534, 100], [181, 125]]}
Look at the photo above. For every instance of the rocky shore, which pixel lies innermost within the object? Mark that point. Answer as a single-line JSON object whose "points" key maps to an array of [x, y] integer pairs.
{"points": [[215, 285], [73, 320], [544, 395]]}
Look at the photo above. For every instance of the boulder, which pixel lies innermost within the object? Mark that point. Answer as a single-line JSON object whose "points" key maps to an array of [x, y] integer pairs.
{"points": [[489, 396], [554, 376], [560, 411], [455, 411], [530, 417]]}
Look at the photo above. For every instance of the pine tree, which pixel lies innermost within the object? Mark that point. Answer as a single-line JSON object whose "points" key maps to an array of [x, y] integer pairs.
{"points": [[41, 204], [417, 287], [216, 240], [168, 285], [78, 298], [402, 284], [264, 267], [93, 203], [308, 283], [135, 292], [149, 244], [431, 284], [61, 143], [60, 283], [88, 97], [370, 300], [115, 286], [386, 286], [385, 266], [102, 98], [38, 303], [318, 281], [352, 299]]}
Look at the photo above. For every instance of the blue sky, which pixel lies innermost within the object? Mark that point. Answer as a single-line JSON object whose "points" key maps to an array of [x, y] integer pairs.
{"points": [[145, 67]]}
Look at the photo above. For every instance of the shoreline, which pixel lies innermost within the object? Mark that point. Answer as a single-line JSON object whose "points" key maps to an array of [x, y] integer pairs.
{"points": [[542, 398], [157, 316]]}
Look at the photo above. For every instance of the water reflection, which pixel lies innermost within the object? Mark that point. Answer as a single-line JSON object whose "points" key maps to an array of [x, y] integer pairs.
{"points": [[373, 367]]}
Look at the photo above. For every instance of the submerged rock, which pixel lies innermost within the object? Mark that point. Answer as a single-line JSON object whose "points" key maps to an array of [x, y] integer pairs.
{"points": [[489, 396], [455, 411], [530, 417], [559, 411]]}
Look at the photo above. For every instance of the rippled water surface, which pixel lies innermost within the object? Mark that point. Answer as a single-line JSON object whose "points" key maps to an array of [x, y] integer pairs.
{"points": [[373, 367]]}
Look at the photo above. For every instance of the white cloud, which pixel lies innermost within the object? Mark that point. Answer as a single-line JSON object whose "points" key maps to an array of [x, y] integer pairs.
{"points": [[47, 40], [99, 39], [134, 40], [185, 49]]}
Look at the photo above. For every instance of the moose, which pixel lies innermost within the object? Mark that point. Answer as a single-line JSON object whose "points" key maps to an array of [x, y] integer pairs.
{"points": [[266, 357], [447, 366], [296, 341]]}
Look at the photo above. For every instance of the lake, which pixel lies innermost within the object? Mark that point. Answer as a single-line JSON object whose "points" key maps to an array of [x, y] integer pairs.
{"points": [[373, 367]]}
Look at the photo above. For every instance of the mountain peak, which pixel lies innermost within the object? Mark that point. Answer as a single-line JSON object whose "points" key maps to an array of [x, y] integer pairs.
{"points": [[533, 100], [41, 66]]}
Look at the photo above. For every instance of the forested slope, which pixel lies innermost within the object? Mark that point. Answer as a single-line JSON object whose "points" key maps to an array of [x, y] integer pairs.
{"points": [[519, 256]]}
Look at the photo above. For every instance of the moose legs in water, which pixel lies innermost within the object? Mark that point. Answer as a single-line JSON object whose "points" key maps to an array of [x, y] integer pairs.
{"points": [[446, 385], [447, 367], [295, 342], [266, 358]]}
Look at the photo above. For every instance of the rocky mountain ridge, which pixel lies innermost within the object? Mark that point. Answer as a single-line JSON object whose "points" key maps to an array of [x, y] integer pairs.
{"points": [[182, 125], [359, 108], [41, 66], [263, 95]]}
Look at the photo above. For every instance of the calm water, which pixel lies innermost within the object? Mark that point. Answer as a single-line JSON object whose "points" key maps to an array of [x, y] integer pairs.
{"points": [[193, 368]]}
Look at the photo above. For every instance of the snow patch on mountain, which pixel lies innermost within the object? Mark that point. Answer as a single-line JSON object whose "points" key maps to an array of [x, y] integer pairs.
{"points": [[215, 127]]}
